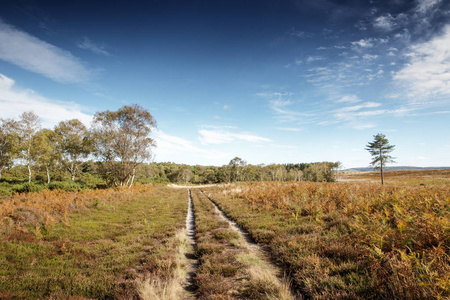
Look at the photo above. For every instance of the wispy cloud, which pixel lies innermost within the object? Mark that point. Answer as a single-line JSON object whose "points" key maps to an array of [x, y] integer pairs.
{"points": [[358, 107], [168, 146], [300, 33], [388, 22], [364, 43], [14, 101], [280, 106], [32, 54], [224, 136], [87, 44], [428, 70], [424, 6], [293, 129], [349, 99], [311, 59]]}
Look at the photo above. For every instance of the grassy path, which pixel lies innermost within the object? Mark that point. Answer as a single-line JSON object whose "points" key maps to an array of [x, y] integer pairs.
{"points": [[229, 267]]}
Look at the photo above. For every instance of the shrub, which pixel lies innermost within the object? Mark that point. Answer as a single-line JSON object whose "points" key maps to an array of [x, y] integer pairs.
{"points": [[65, 186], [5, 191], [27, 188]]}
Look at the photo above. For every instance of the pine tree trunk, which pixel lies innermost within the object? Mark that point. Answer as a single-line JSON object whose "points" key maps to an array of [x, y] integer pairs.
{"points": [[1, 170], [381, 167]]}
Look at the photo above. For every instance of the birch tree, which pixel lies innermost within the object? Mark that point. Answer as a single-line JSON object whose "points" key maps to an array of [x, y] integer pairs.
{"points": [[72, 143], [121, 140], [29, 125], [44, 150]]}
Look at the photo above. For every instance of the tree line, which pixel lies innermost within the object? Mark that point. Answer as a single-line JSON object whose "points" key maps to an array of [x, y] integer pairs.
{"points": [[117, 151], [237, 170]]}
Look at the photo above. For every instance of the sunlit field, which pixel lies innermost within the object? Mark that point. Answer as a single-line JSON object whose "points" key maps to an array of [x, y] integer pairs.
{"points": [[413, 177], [346, 240]]}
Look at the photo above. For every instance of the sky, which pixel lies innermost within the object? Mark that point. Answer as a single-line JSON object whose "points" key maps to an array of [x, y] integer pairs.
{"points": [[281, 81]]}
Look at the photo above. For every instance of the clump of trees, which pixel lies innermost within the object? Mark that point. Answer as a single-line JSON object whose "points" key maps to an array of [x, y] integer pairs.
{"points": [[119, 141]]}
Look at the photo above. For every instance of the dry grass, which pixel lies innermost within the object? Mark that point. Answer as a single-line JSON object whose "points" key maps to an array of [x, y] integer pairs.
{"points": [[98, 245], [263, 278], [403, 178], [36, 212], [350, 240], [171, 286]]}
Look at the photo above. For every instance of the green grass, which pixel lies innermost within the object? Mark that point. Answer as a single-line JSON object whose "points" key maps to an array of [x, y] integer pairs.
{"points": [[99, 255]]}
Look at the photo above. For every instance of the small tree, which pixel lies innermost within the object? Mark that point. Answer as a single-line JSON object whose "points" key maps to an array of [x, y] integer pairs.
{"points": [[44, 150], [72, 143], [380, 149], [29, 125], [9, 142]]}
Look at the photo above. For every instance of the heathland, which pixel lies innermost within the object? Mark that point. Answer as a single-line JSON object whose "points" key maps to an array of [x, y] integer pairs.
{"points": [[350, 239]]}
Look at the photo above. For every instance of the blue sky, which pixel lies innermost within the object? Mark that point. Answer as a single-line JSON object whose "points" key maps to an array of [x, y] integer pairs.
{"points": [[268, 81]]}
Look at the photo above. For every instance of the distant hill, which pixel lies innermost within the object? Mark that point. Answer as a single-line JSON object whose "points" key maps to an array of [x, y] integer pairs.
{"points": [[399, 168]]}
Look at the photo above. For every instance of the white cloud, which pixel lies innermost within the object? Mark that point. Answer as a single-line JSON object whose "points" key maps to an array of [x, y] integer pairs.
{"points": [[32, 54], [362, 126], [349, 99], [368, 43], [428, 71], [169, 143], [364, 43], [358, 107], [221, 136], [14, 101], [311, 59], [169, 146], [385, 22], [388, 22], [87, 44], [370, 56], [279, 106], [423, 6]]}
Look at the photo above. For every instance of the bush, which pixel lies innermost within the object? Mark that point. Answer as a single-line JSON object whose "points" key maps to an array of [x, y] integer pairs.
{"points": [[91, 180], [27, 188], [65, 186], [5, 191]]}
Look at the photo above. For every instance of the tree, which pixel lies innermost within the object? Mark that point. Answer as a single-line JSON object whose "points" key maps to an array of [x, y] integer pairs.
{"points": [[72, 143], [237, 166], [44, 150], [8, 143], [380, 149], [28, 127], [122, 142]]}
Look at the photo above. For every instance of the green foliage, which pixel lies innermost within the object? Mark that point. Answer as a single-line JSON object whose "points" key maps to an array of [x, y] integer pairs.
{"points": [[68, 186], [380, 149], [27, 188]]}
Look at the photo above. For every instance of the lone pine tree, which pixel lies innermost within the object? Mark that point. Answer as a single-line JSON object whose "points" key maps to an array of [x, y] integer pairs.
{"points": [[380, 149]]}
